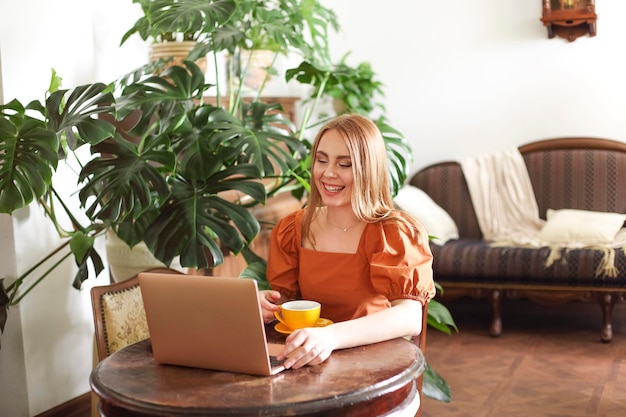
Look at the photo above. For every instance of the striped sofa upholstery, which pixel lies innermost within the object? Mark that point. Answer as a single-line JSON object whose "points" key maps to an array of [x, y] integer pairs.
{"points": [[579, 173]]}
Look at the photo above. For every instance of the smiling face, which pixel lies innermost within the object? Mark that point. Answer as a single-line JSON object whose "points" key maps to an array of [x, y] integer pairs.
{"points": [[332, 170]]}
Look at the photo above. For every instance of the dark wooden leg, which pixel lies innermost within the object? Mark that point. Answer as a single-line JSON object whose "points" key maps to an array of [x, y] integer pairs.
{"points": [[607, 302], [496, 320]]}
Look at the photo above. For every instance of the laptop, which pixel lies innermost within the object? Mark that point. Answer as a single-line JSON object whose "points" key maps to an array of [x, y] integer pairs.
{"points": [[207, 322]]}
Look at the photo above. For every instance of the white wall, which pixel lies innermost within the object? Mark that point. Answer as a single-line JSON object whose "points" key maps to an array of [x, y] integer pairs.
{"points": [[460, 77], [14, 398], [464, 77]]}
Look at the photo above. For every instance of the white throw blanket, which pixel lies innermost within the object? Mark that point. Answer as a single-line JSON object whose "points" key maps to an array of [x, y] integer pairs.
{"points": [[507, 211], [503, 197]]}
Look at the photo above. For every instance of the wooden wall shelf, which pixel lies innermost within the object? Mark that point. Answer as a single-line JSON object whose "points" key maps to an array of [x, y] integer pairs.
{"points": [[569, 19]]}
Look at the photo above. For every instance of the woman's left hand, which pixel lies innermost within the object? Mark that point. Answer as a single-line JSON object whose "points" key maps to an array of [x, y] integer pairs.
{"points": [[309, 346], [268, 300]]}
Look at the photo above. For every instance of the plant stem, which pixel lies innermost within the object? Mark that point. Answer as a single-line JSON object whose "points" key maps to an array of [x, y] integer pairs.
{"points": [[309, 111], [18, 282], [267, 77], [242, 77], [41, 278], [218, 96], [231, 75], [75, 223]]}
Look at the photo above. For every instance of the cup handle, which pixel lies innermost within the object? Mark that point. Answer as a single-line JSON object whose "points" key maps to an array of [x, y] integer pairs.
{"points": [[279, 317]]}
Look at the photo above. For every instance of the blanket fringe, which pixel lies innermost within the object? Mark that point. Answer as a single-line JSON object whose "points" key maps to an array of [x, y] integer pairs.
{"points": [[607, 263], [556, 254], [606, 268]]}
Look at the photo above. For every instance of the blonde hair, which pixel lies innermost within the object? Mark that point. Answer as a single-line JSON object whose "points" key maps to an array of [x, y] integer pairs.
{"points": [[371, 193]]}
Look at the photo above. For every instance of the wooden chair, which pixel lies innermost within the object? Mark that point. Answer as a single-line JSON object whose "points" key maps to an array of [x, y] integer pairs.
{"points": [[119, 319]]}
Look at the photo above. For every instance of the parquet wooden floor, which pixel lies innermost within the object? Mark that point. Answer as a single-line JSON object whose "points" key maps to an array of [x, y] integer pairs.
{"points": [[548, 362]]}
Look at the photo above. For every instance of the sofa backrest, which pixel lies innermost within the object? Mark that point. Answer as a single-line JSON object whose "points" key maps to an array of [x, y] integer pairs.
{"points": [[445, 184], [578, 173]]}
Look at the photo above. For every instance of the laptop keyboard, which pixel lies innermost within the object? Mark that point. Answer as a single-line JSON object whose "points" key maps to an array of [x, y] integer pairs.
{"points": [[274, 362]]}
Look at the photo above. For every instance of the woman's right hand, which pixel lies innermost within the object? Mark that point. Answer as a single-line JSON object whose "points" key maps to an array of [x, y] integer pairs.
{"points": [[268, 299], [308, 346]]}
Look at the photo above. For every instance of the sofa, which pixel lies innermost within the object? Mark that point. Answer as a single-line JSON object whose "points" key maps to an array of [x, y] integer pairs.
{"points": [[587, 175]]}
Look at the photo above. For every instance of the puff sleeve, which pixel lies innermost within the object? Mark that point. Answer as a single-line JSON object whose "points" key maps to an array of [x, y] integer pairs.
{"points": [[401, 267], [283, 260]]}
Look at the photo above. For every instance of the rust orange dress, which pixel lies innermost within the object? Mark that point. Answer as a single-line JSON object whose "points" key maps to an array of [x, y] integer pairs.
{"points": [[388, 265]]}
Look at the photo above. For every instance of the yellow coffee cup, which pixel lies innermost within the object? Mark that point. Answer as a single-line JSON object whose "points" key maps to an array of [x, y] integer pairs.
{"points": [[298, 314]]}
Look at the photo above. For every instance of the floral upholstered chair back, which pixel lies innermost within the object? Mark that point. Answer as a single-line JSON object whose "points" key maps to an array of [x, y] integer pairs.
{"points": [[119, 315]]}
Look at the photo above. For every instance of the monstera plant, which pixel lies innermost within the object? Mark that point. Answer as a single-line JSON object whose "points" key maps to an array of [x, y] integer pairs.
{"points": [[166, 167]]}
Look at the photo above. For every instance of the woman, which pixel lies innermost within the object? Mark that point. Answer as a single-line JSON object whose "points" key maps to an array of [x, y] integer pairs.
{"points": [[369, 265]]}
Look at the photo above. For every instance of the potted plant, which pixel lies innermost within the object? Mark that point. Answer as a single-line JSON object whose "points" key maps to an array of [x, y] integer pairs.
{"points": [[162, 161], [174, 28], [169, 179], [353, 89]]}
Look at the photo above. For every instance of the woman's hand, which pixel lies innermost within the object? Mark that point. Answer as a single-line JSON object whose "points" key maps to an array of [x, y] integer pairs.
{"points": [[313, 345], [268, 299], [309, 346]]}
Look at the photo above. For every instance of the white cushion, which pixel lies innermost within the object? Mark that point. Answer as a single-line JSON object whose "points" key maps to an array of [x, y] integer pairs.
{"points": [[435, 219], [580, 226]]}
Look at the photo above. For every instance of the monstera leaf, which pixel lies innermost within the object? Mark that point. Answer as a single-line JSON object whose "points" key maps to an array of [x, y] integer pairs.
{"points": [[178, 184], [196, 217], [189, 16], [125, 178], [30, 146], [269, 132], [162, 101], [399, 154], [75, 117], [435, 386], [29, 152]]}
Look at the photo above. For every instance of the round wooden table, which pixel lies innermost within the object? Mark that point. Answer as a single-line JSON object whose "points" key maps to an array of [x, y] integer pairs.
{"points": [[371, 380]]}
